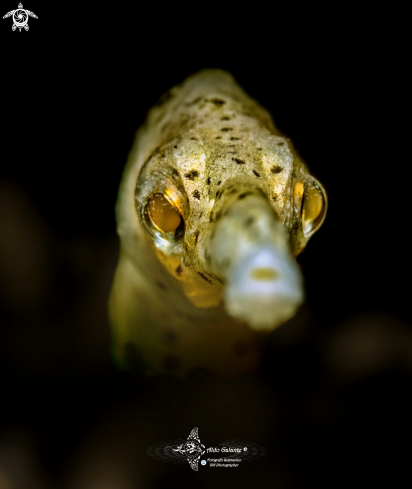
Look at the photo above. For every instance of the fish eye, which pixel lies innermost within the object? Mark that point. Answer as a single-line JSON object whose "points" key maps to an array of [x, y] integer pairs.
{"points": [[163, 214], [314, 205], [162, 219]]}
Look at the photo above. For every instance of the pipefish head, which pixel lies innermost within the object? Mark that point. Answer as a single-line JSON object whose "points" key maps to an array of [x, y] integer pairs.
{"points": [[226, 213]]}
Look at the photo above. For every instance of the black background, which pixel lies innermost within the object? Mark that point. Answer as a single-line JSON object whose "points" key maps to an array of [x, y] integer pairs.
{"points": [[332, 401]]}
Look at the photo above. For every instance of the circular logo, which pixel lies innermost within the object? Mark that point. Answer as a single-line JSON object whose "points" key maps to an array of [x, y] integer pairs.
{"points": [[203, 462], [20, 17]]}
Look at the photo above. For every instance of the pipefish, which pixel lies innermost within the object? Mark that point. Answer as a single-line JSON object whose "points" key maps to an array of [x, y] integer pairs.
{"points": [[214, 205]]}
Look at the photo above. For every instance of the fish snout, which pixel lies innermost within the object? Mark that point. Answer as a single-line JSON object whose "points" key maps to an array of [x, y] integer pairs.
{"points": [[249, 251], [265, 289]]}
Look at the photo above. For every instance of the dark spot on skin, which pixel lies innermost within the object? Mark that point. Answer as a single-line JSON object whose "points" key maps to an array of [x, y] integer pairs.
{"points": [[171, 362], [226, 129], [217, 194], [179, 270], [219, 215], [170, 336], [259, 149], [208, 181], [274, 198], [281, 143], [211, 276], [161, 285], [196, 194], [242, 196], [200, 215], [175, 147], [256, 173], [240, 349], [205, 278], [218, 137], [217, 101], [249, 221], [194, 139], [192, 175], [175, 172], [196, 237], [235, 139], [211, 217], [276, 169], [225, 119], [219, 182], [239, 162]]}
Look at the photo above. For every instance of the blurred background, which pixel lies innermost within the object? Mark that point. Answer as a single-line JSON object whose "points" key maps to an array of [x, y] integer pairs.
{"points": [[332, 401]]}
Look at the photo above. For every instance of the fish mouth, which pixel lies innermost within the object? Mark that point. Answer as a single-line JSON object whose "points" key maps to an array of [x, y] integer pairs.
{"points": [[251, 254], [265, 289]]}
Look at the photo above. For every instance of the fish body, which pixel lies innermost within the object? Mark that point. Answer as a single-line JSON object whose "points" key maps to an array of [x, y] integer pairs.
{"points": [[213, 206]]}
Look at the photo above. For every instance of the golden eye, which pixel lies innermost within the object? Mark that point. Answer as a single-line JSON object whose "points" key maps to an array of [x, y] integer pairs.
{"points": [[163, 214], [314, 206], [161, 219]]}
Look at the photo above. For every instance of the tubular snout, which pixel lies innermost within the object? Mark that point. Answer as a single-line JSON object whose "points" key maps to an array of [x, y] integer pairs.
{"points": [[248, 249]]}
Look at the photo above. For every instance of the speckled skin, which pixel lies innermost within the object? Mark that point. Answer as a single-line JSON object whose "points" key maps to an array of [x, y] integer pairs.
{"points": [[212, 148]]}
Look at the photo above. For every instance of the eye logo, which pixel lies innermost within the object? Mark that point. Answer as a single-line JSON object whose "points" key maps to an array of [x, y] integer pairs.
{"points": [[20, 17], [192, 449]]}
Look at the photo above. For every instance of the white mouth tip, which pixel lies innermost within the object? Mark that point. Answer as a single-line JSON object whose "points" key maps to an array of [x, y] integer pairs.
{"points": [[263, 313], [266, 290]]}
